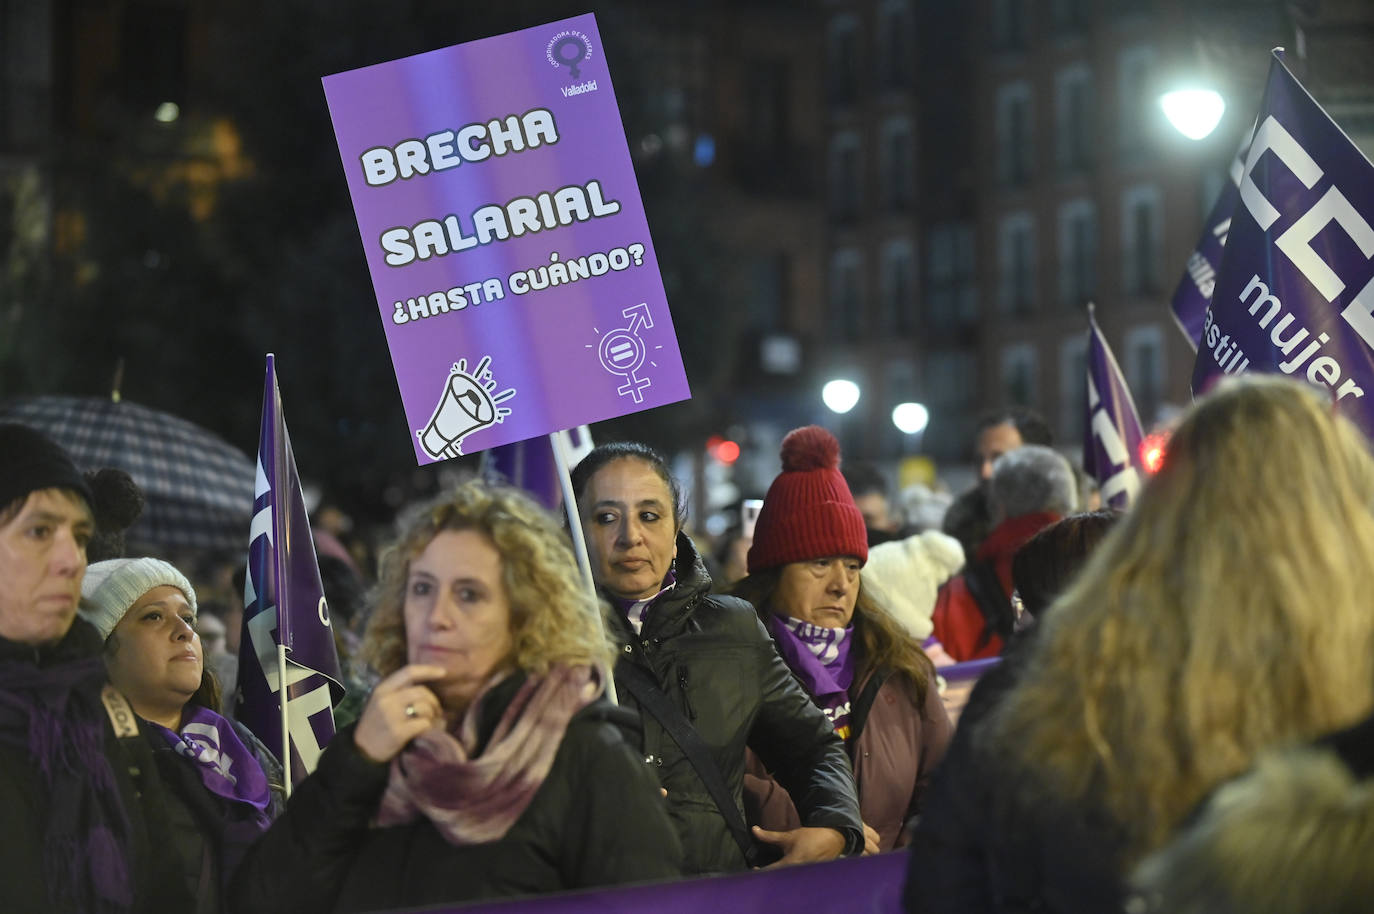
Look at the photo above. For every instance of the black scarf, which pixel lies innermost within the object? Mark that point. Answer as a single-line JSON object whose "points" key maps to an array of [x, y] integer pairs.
{"points": [[50, 707]]}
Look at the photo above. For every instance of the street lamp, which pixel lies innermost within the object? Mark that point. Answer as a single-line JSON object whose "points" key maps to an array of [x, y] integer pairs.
{"points": [[910, 418], [1194, 113], [840, 395]]}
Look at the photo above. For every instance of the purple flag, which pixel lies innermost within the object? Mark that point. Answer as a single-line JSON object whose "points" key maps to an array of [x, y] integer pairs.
{"points": [[1111, 448], [530, 464], [853, 885], [284, 605], [1194, 290], [1295, 292]]}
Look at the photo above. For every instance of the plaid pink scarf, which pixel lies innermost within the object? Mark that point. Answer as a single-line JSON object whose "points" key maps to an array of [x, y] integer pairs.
{"points": [[474, 800]]}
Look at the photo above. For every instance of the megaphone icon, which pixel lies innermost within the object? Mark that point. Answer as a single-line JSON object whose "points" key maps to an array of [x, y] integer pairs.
{"points": [[466, 405]]}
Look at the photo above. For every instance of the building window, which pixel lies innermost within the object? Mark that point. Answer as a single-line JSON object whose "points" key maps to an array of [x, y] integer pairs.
{"points": [[1135, 107], [1016, 264], [1142, 240], [1077, 252], [898, 167], [1073, 387], [1070, 17], [895, 39], [951, 379], [1015, 142], [1019, 375], [846, 317], [770, 288], [951, 296], [1074, 119], [1145, 370], [897, 286], [1009, 31], [842, 55], [845, 179]]}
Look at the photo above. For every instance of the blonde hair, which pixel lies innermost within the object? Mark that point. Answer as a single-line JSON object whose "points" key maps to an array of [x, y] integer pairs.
{"points": [[555, 619], [1228, 612]]}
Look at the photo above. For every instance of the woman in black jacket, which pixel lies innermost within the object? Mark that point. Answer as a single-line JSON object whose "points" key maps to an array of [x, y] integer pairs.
{"points": [[223, 785], [709, 660], [486, 762]]}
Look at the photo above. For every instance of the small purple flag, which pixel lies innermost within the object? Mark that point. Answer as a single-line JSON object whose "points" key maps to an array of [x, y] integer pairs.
{"points": [[1295, 292], [284, 605], [530, 464], [1111, 449], [1194, 290]]}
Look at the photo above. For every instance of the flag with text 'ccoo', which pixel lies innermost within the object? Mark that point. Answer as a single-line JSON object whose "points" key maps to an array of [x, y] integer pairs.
{"points": [[1295, 291], [286, 628], [1112, 433], [1194, 290]]}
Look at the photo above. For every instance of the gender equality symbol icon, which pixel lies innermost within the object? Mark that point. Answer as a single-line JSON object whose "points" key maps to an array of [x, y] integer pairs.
{"points": [[623, 352]]}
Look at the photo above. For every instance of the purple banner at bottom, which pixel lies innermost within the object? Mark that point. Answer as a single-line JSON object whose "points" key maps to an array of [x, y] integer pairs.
{"points": [[857, 884]]}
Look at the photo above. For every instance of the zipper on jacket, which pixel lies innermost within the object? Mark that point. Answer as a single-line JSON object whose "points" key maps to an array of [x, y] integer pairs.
{"points": [[686, 701]]}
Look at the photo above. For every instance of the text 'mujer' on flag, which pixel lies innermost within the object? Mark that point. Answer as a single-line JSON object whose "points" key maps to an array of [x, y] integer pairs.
{"points": [[287, 636], [1295, 291]]}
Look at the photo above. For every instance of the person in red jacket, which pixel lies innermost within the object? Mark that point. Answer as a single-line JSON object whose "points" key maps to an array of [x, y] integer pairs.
{"points": [[1031, 487]]}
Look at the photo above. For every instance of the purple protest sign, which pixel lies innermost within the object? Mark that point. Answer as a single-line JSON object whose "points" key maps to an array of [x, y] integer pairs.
{"points": [[1194, 290], [1295, 292], [284, 606], [507, 242], [1111, 449]]}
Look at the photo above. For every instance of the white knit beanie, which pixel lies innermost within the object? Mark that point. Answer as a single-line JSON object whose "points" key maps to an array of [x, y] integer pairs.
{"points": [[112, 586], [906, 575]]}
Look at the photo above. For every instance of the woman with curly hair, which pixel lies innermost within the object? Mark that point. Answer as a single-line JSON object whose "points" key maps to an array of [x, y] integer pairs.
{"points": [[485, 762], [869, 676], [1227, 613]]}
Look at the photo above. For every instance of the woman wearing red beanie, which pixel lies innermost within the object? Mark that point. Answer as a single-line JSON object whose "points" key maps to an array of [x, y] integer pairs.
{"points": [[871, 679]]}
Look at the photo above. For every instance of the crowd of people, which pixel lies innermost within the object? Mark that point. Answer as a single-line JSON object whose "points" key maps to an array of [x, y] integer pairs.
{"points": [[1172, 709]]}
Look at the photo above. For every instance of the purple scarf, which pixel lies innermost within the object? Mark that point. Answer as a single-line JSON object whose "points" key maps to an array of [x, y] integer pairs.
{"points": [[226, 766], [638, 610], [55, 713], [476, 799], [820, 658]]}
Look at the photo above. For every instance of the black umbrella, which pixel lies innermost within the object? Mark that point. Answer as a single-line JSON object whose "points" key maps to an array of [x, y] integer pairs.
{"points": [[199, 487]]}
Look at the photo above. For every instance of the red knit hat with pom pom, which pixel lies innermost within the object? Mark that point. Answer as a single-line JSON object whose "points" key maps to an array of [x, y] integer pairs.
{"points": [[809, 512]]}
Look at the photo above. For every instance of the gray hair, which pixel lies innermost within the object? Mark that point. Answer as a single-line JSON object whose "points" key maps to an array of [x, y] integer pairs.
{"points": [[1031, 479]]}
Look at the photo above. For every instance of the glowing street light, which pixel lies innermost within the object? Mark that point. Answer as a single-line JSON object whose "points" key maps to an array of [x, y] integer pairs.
{"points": [[840, 395], [910, 418], [1194, 113]]}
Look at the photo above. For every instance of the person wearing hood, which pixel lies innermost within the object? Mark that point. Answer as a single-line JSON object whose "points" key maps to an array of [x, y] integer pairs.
{"points": [[705, 678]]}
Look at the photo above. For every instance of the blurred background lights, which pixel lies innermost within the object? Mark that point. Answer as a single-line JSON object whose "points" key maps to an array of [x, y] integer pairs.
{"points": [[910, 418], [840, 395], [1194, 113]]}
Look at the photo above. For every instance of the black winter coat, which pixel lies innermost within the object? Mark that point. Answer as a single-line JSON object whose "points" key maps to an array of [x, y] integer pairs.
{"points": [[598, 819], [24, 803], [984, 846], [211, 833], [715, 660]]}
